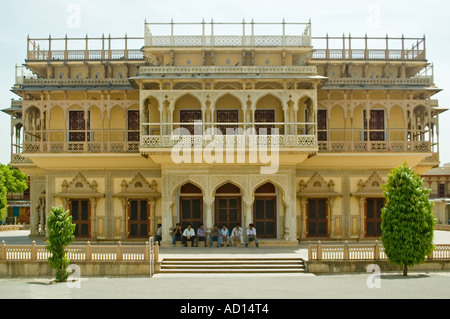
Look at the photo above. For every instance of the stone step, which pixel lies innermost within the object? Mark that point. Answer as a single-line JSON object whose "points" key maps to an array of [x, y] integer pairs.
{"points": [[232, 265]]}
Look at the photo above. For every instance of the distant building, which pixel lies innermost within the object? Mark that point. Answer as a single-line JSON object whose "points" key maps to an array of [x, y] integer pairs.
{"points": [[293, 133], [438, 180], [18, 211]]}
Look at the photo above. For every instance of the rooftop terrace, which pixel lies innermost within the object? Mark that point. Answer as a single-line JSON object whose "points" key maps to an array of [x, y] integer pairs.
{"points": [[212, 34]]}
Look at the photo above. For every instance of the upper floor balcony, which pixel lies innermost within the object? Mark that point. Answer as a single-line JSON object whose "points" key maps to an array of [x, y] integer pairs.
{"points": [[228, 34], [369, 48]]}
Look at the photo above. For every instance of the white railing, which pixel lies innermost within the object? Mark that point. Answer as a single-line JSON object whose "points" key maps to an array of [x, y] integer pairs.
{"points": [[81, 253], [361, 252], [375, 146], [9, 227], [425, 80], [211, 38], [228, 41], [237, 140], [227, 69]]}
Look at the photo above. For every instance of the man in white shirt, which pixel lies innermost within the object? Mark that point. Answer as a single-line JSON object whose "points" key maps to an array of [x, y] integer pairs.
{"points": [[237, 233], [188, 235], [251, 235]]}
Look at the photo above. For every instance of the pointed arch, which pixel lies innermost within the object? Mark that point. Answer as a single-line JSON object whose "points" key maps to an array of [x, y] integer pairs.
{"points": [[228, 181]]}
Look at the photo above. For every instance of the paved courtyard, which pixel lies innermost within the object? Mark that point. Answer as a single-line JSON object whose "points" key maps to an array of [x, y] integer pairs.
{"points": [[302, 286], [433, 285]]}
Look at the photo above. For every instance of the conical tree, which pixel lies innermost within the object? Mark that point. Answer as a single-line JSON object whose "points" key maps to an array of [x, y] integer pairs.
{"points": [[61, 229], [407, 219]]}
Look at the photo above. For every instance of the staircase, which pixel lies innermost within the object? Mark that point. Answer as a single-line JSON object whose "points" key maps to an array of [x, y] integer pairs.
{"points": [[241, 265]]}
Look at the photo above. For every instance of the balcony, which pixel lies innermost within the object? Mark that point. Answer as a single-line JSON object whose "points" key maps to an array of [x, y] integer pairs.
{"points": [[374, 146], [59, 141], [247, 71], [239, 135], [211, 34], [84, 49], [369, 48]]}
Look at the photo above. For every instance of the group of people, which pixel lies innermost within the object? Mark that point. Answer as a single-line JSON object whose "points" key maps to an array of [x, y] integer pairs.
{"points": [[222, 236]]}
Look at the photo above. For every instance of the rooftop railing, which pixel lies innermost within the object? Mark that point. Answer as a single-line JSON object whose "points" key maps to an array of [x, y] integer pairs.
{"points": [[129, 48]]}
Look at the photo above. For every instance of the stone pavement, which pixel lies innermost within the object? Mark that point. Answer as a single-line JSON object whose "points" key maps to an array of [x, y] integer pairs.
{"points": [[421, 285], [220, 287]]}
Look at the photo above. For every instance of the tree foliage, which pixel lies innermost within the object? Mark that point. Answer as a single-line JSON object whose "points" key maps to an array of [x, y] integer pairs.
{"points": [[11, 181], [15, 180], [3, 195], [60, 229], [407, 219]]}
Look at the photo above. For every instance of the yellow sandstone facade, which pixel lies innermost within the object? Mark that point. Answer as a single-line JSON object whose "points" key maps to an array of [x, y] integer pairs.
{"points": [[293, 133]]}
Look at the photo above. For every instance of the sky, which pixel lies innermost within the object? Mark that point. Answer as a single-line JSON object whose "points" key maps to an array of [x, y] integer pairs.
{"points": [[76, 18]]}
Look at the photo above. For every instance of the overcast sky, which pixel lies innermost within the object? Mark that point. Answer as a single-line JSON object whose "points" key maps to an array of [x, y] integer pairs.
{"points": [[116, 17]]}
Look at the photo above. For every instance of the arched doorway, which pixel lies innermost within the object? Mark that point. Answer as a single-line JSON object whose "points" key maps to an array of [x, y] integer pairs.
{"points": [[228, 206], [265, 211], [191, 206]]}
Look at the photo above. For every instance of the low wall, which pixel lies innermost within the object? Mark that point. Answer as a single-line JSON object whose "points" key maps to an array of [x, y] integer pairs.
{"points": [[10, 227], [442, 227], [332, 267], [87, 269]]}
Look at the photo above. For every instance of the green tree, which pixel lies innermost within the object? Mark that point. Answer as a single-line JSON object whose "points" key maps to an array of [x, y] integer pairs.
{"points": [[11, 181], [60, 229], [3, 195], [15, 180], [407, 219]]}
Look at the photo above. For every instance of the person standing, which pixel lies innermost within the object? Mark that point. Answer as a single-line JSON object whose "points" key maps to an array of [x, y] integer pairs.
{"points": [[251, 235], [158, 236], [237, 233]]}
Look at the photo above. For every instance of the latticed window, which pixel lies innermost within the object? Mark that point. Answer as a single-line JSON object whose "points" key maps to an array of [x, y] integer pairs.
{"points": [[322, 125], [375, 125], [133, 126], [77, 126]]}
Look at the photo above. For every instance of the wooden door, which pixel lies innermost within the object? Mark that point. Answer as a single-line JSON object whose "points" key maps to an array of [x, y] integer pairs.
{"points": [[265, 217], [190, 116], [80, 209], [191, 211], [228, 211], [227, 116], [138, 219], [375, 125], [77, 126], [322, 125], [264, 116], [373, 216], [317, 218], [133, 126]]}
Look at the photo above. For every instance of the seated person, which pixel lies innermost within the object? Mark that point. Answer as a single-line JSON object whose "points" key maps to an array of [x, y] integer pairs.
{"points": [[225, 234], [201, 235], [237, 234], [176, 234], [188, 235], [251, 235], [215, 236]]}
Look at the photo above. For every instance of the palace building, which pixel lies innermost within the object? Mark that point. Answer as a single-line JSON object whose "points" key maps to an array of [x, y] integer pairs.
{"points": [[221, 123]]}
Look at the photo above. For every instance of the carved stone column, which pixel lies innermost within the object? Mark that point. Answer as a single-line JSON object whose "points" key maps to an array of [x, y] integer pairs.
{"points": [[209, 217], [153, 216], [248, 214], [287, 221]]}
